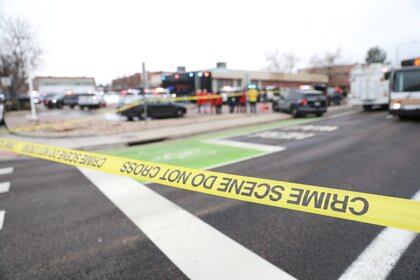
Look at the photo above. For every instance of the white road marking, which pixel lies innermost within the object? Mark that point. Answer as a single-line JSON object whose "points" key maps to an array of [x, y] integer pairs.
{"points": [[7, 170], [338, 115], [2, 213], [380, 257], [320, 128], [196, 248], [4, 187], [275, 134], [245, 145]]}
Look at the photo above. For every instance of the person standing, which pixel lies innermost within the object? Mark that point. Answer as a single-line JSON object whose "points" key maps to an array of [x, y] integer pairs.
{"points": [[242, 102], [253, 97], [213, 97], [218, 101], [207, 101], [199, 100], [231, 102]]}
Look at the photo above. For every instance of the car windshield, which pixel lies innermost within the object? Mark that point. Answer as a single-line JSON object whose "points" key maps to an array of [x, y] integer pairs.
{"points": [[407, 80], [313, 95]]}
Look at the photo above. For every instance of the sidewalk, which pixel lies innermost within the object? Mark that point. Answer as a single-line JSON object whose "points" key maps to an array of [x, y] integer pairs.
{"points": [[156, 133]]}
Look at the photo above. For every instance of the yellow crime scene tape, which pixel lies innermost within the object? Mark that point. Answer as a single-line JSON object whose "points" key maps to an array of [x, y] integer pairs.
{"points": [[355, 206]]}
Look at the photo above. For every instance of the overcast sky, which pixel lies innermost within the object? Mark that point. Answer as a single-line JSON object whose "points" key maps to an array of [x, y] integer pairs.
{"points": [[108, 39]]}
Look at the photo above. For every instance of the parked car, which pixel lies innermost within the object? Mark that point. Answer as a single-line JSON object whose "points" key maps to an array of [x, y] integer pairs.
{"points": [[155, 110], [83, 100], [54, 101], [90, 100], [301, 102]]}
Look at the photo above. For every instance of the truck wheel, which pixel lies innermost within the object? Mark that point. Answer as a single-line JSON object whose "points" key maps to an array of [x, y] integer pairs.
{"points": [[367, 107], [319, 114]]}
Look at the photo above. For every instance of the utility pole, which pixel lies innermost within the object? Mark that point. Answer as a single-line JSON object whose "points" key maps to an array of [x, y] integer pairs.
{"points": [[144, 82], [398, 50], [34, 116]]}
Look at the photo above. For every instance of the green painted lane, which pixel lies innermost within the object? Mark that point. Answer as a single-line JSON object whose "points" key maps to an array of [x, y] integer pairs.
{"points": [[188, 153], [194, 152]]}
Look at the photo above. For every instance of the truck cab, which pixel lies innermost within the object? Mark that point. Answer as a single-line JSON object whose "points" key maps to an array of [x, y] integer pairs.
{"points": [[405, 89]]}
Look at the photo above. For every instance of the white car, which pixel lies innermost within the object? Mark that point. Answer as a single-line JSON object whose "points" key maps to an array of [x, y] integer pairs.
{"points": [[90, 100]]}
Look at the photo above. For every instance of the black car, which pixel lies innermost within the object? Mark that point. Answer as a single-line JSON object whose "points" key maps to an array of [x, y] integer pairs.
{"points": [[155, 110], [54, 101], [301, 102]]}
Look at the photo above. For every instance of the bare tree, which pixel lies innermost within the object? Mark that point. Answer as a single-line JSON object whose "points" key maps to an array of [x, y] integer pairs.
{"points": [[326, 62], [19, 51], [282, 62], [274, 61], [290, 61]]}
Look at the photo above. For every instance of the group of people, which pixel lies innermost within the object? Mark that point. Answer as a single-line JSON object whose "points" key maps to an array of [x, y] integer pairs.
{"points": [[208, 102]]}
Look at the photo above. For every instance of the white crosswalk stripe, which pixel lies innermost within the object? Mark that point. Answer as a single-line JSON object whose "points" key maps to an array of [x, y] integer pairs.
{"points": [[196, 248], [4, 188], [2, 213], [380, 257], [6, 170]]}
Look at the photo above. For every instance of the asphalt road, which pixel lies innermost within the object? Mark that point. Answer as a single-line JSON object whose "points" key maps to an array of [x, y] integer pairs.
{"points": [[59, 225]]}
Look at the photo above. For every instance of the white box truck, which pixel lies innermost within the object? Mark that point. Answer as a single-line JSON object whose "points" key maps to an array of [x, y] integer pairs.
{"points": [[368, 86]]}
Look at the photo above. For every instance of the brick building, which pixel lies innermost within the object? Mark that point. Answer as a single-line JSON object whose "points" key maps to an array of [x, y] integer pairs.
{"points": [[215, 79], [339, 75]]}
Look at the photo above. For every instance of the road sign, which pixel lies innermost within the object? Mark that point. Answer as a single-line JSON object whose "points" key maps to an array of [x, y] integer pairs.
{"points": [[6, 81]]}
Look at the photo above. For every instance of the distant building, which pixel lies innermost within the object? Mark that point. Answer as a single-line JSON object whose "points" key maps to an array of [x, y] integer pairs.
{"points": [[339, 75], [48, 85], [215, 79], [135, 81]]}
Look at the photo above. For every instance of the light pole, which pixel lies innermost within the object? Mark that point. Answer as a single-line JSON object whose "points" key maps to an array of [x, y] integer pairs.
{"points": [[144, 80], [34, 116], [398, 50]]}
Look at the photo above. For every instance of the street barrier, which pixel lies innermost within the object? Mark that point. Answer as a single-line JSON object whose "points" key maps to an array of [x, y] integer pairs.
{"points": [[337, 203]]}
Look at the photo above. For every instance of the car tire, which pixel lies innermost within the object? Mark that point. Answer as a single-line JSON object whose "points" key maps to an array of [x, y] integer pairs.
{"points": [[130, 119], [275, 107], [295, 112], [319, 114], [179, 113], [142, 115]]}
